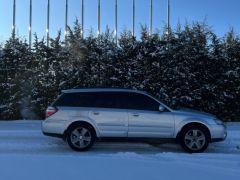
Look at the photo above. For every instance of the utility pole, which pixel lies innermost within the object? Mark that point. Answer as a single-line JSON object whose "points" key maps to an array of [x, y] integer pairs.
{"points": [[151, 16], [48, 21], [133, 17], [14, 20], [116, 20], [82, 19], [30, 24], [66, 19], [99, 17]]}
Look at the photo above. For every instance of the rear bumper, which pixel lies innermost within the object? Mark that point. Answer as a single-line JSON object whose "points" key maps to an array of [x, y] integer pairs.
{"points": [[53, 135], [54, 128]]}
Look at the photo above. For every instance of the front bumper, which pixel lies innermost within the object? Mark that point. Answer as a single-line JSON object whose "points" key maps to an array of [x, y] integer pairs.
{"points": [[218, 133], [218, 139]]}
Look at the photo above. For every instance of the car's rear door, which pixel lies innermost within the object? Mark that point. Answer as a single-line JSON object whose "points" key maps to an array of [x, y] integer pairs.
{"points": [[111, 120]]}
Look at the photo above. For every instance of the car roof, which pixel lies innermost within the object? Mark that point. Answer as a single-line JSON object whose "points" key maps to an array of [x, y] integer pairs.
{"points": [[102, 90]]}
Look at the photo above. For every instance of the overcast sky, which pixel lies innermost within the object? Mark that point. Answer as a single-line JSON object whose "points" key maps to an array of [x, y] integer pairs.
{"points": [[220, 14]]}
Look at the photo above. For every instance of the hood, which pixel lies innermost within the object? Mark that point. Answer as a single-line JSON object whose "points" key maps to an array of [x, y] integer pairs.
{"points": [[192, 112]]}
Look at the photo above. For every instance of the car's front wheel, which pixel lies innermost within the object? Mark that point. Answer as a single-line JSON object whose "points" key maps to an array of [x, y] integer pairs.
{"points": [[81, 137], [194, 139]]}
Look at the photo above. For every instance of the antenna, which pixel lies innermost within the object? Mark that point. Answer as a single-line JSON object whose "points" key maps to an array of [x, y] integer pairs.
{"points": [[14, 20], [66, 19], [99, 17], [30, 24], [151, 16], [133, 17], [168, 17], [48, 21], [82, 19], [116, 20]]}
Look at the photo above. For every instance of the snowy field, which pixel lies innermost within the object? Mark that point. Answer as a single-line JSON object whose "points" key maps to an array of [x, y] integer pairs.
{"points": [[25, 154]]}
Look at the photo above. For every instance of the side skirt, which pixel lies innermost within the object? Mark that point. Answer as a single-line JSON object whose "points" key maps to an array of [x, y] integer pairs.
{"points": [[139, 140]]}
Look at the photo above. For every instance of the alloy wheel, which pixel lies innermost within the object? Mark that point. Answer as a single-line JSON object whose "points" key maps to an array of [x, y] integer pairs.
{"points": [[81, 137], [195, 139]]}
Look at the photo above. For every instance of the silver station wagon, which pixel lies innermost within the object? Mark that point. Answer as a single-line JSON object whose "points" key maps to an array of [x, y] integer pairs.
{"points": [[81, 116]]}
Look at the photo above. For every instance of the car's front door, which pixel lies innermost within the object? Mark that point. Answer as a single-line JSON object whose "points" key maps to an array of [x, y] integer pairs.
{"points": [[145, 119]]}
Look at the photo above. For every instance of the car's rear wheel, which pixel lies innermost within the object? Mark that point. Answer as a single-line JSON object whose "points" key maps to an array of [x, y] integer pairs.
{"points": [[194, 139], [81, 137]]}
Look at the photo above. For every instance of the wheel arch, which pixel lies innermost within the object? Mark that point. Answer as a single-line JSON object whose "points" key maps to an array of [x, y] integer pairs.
{"points": [[193, 123], [80, 122]]}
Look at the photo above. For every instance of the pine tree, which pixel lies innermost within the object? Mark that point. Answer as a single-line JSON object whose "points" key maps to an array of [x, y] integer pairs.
{"points": [[42, 79], [15, 59], [189, 67], [230, 94], [127, 61]]}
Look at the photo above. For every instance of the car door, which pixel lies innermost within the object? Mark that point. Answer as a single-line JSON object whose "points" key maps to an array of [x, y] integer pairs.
{"points": [[110, 120], [145, 119]]}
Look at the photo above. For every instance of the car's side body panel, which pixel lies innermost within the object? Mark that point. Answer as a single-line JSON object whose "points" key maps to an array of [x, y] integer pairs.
{"points": [[180, 122], [110, 122], [150, 124]]}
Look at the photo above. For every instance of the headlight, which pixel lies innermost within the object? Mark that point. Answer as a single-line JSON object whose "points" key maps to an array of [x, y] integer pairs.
{"points": [[218, 122]]}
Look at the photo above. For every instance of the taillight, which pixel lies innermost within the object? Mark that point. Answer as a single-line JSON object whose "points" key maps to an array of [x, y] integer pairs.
{"points": [[51, 111]]}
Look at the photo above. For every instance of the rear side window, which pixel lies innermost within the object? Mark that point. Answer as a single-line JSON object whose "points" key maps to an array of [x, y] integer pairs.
{"points": [[89, 99], [75, 100]]}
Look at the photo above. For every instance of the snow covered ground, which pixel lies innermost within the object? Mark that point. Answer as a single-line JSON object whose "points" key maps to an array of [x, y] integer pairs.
{"points": [[25, 154]]}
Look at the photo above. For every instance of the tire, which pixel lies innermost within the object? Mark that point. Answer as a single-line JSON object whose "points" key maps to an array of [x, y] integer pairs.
{"points": [[81, 137], [194, 139]]}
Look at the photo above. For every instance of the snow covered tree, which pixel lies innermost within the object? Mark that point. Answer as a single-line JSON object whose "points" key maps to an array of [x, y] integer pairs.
{"points": [[14, 61], [148, 62], [127, 62], [77, 52], [50, 68], [230, 78], [189, 67]]}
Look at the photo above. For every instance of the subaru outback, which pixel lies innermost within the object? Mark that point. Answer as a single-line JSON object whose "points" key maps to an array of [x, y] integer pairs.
{"points": [[80, 116]]}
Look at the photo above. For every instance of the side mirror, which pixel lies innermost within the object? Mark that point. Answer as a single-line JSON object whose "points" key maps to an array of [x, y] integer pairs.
{"points": [[161, 108]]}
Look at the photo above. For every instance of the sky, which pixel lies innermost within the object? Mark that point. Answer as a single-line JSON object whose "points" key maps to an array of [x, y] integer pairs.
{"points": [[221, 15]]}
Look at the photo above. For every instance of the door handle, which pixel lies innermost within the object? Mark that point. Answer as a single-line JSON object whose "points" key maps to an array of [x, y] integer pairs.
{"points": [[96, 113], [136, 115]]}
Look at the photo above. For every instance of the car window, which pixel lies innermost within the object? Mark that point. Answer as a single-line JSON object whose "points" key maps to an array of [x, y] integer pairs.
{"points": [[125, 100], [110, 100], [104, 100], [118, 100], [142, 102], [75, 100]]}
